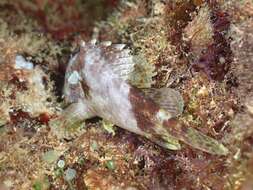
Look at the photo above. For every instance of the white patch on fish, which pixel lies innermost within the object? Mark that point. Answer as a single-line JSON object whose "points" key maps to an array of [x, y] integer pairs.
{"points": [[74, 78]]}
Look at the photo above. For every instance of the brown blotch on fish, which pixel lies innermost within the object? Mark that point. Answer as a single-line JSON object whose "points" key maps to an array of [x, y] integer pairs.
{"points": [[144, 110], [85, 88]]}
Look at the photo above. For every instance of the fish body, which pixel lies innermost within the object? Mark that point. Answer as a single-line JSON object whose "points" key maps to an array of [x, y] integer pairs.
{"points": [[95, 85]]}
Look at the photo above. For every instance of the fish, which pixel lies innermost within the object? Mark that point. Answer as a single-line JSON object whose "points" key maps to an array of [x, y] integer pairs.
{"points": [[97, 83]]}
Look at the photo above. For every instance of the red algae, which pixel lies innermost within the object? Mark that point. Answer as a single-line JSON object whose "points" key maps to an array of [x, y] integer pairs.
{"points": [[214, 100], [75, 21], [178, 18], [21, 85], [216, 58]]}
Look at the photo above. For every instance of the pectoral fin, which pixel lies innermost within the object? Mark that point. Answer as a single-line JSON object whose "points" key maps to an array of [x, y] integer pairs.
{"points": [[69, 123], [168, 99]]}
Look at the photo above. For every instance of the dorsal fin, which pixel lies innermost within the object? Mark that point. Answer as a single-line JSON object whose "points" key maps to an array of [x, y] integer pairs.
{"points": [[132, 68], [123, 64], [143, 73], [139, 73], [168, 99]]}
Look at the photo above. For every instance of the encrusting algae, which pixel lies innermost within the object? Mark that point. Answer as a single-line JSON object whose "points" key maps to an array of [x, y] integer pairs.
{"points": [[187, 85]]}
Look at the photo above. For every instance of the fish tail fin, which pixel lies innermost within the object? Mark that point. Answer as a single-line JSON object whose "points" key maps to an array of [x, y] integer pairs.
{"points": [[165, 141], [194, 138], [204, 142]]}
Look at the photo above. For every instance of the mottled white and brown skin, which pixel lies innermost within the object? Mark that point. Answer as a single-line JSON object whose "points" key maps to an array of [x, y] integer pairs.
{"points": [[94, 86], [99, 91]]}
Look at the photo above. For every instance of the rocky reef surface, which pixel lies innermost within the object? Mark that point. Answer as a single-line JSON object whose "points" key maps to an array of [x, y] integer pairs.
{"points": [[203, 49]]}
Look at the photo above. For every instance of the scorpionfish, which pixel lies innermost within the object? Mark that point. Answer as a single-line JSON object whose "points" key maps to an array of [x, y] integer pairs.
{"points": [[96, 84]]}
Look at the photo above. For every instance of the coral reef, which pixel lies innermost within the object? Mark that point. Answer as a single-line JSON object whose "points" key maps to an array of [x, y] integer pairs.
{"points": [[203, 49]]}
